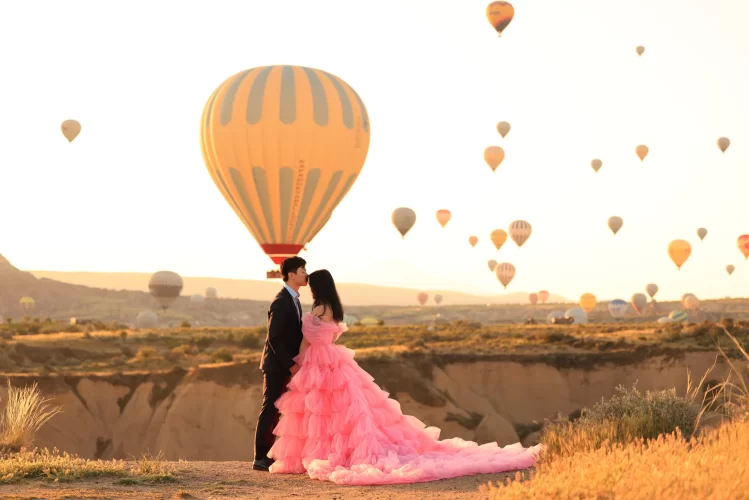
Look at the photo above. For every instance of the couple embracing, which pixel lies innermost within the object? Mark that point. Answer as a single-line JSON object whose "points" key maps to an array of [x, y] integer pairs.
{"points": [[336, 423]]}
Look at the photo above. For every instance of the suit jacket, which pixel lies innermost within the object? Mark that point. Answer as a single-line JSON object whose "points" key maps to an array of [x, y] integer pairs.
{"points": [[284, 335]]}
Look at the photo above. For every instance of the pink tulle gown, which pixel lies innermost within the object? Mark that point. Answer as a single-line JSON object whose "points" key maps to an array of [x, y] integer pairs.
{"points": [[338, 425]]}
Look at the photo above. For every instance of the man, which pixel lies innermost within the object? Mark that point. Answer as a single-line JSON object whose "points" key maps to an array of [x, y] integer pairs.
{"points": [[281, 346]]}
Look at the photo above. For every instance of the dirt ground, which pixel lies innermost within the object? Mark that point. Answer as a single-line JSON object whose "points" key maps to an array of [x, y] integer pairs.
{"points": [[228, 480]]}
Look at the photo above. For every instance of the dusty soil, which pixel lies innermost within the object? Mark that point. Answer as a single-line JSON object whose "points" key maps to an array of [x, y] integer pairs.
{"points": [[226, 480]]}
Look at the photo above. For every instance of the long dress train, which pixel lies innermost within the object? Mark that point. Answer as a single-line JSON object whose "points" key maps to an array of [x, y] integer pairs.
{"points": [[338, 425]]}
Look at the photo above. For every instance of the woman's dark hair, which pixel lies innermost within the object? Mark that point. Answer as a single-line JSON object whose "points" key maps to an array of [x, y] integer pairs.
{"points": [[323, 290]]}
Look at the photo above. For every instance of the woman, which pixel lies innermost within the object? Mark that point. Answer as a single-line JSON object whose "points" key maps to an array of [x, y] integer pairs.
{"points": [[338, 425]]}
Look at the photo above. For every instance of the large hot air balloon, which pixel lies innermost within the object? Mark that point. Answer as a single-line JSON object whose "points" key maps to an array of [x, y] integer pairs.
{"points": [[679, 251], [618, 308], [505, 272], [588, 302], [211, 293], [443, 217], [147, 319], [166, 287], [403, 219], [422, 298], [729, 269], [578, 315], [639, 302], [500, 14], [498, 237], [70, 129], [533, 298], [503, 128], [640, 50], [596, 164], [28, 303], [642, 151], [473, 240], [723, 143], [493, 156], [615, 224], [743, 244], [520, 231], [543, 296], [284, 144], [652, 289], [492, 265], [701, 233], [438, 299]]}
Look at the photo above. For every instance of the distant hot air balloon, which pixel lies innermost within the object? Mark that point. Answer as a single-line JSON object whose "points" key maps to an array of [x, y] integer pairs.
{"points": [[473, 240], [422, 298], [211, 293], [438, 299], [284, 145], [520, 231], [588, 302], [166, 287], [743, 244], [678, 316], [498, 237], [618, 308], [596, 164], [533, 298], [493, 156], [443, 217], [652, 289], [70, 129], [500, 14], [503, 128], [578, 315], [702, 232], [642, 151], [640, 50], [197, 301], [543, 296], [729, 269], [685, 297], [403, 219], [615, 224], [691, 303], [639, 302], [492, 265], [723, 143], [28, 303], [679, 251], [147, 319], [505, 272]]}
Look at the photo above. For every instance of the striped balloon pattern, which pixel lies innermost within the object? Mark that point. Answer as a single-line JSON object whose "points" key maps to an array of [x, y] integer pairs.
{"points": [[284, 145], [618, 308], [505, 272], [520, 231], [678, 316]]}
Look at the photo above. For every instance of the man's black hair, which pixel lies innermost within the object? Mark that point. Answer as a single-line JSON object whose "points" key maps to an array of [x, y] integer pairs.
{"points": [[291, 265]]}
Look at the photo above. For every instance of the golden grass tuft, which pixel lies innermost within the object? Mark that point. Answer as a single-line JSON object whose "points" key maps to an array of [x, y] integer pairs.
{"points": [[26, 411]]}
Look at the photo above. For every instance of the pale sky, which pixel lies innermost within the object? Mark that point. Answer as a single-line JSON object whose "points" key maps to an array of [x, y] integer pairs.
{"points": [[131, 193]]}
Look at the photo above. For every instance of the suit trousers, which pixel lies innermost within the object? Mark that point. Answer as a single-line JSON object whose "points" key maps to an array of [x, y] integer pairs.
{"points": [[274, 384]]}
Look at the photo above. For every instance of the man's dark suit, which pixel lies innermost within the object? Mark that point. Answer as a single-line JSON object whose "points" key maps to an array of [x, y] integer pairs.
{"points": [[281, 346]]}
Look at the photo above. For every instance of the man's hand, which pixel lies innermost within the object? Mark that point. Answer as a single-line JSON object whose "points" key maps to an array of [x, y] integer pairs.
{"points": [[294, 369]]}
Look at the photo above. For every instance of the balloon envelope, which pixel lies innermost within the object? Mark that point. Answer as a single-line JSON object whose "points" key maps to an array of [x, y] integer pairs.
{"points": [[499, 15], [729, 269], [443, 217], [147, 319], [403, 219], [498, 237], [640, 50], [473, 240], [679, 251], [554, 315], [701, 233], [165, 286], [743, 244], [579, 316], [492, 265], [642, 151], [493, 156], [678, 316], [533, 298], [618, 308], [503, 128], [422, 298], [70, 129], [596, 164], [588, 302], [438, 299], [652, 289], [211, 293], [543, 296], [639, 302], [284, 145], [723, 143], [505, 272], [520, 231], [615, 224]]}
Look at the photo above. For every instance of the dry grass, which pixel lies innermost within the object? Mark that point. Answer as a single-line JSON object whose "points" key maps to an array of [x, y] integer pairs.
{"points": [[603, 458], [26, 411]]}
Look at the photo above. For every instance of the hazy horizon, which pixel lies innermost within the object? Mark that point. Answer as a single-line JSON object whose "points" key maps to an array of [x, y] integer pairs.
{"points": [[131, 193]]}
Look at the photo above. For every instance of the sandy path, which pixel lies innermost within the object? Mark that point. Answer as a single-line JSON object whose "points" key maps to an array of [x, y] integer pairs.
{"points": [[225, 480]]}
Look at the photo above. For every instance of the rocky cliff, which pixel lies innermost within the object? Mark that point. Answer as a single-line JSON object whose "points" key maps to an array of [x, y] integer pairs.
{"points": [[209, 413]]}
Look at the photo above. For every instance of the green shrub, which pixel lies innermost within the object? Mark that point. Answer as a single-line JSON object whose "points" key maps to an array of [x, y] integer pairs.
{"points": [[223, 355]]}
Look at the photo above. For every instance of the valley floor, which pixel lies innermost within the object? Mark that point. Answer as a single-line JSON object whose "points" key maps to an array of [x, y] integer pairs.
{"points": [[226, 480]]}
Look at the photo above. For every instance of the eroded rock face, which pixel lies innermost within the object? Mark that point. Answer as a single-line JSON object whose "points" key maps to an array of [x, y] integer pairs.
{"points": [[210, 413]]}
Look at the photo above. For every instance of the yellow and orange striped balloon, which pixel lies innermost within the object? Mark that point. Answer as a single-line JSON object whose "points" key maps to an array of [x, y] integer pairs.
{"points": [[284, 144], [499, 15]]}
